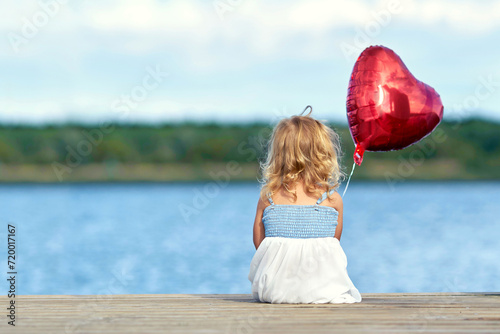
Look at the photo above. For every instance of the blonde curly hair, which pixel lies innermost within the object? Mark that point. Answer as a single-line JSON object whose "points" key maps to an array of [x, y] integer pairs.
{"points": [[301, 148]]}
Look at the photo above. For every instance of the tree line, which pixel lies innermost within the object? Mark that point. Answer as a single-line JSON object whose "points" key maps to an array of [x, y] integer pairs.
{"points": [[472, 146]]}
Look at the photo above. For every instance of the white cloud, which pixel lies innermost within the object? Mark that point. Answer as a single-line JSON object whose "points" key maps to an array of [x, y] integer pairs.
{"points": [[255, 33], [475, 17], [263, 28], [92, 108], [264, 25], [32, 112], [144, 16], [312, 15]]}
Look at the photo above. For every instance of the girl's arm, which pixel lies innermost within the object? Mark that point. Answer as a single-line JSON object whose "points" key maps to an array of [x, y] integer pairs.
{"points": [[258, 226], [338, 230], [339, 206]]}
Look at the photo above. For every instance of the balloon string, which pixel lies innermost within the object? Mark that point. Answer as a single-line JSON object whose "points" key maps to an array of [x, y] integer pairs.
{"points": [[349, 179]]}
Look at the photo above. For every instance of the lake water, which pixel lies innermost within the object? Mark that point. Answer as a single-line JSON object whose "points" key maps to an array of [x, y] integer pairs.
{"points": [[197, 237]]}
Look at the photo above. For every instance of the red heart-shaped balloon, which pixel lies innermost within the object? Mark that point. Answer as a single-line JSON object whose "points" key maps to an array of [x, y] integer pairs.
{"points": [[387, 107]]}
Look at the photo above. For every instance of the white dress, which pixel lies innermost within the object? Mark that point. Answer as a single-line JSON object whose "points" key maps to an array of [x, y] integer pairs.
{"points": [[299, 260]]}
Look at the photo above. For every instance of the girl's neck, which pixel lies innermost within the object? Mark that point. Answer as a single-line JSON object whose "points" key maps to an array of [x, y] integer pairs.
{"points": [[283, 196]]}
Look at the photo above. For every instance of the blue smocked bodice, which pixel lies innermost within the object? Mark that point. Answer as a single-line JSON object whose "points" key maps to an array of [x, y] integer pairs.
{"points": [[300, 221]]}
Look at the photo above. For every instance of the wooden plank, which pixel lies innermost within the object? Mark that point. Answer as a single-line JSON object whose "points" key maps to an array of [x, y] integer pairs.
{"points": [[377, 313]]}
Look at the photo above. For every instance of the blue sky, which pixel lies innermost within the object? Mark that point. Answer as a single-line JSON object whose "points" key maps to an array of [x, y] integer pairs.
{"points": [[234, 60]]}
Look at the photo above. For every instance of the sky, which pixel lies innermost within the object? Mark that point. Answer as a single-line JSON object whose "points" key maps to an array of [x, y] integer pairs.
{"points": [[159, 61]]}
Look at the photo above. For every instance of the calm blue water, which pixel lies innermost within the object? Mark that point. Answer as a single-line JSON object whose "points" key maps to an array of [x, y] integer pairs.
{"points": [[197, 238]]}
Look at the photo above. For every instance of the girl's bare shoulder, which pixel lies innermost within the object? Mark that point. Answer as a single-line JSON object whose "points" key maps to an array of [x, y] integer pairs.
{"points": [[335, 201], [262, 203]]}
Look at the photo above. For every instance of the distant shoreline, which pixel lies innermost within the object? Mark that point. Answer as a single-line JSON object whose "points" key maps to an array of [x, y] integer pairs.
{"points": [[434, 170], [467, 150]]}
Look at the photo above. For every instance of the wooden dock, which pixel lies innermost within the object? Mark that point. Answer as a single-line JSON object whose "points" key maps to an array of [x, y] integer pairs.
{"points": [[377, 313]]}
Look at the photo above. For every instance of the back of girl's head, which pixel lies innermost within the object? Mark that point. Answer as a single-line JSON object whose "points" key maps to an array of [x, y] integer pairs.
{"points": [[301, 149]]}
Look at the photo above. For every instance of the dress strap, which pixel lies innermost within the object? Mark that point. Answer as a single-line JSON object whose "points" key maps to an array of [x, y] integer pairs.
{"points": [[323, 197], [270, 199]]}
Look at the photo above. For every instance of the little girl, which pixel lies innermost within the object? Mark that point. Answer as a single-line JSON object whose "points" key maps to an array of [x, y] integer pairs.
{"points": [[298, 223]]}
